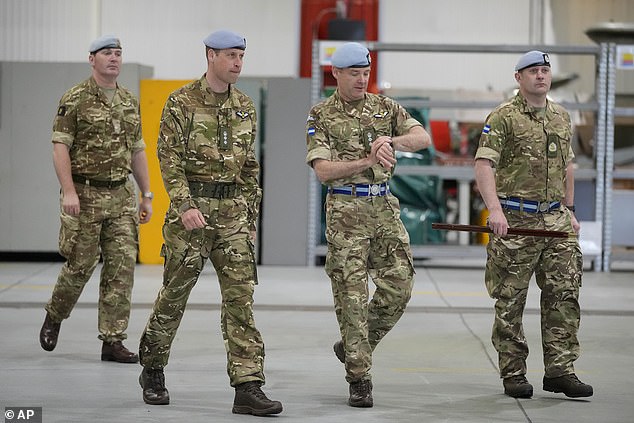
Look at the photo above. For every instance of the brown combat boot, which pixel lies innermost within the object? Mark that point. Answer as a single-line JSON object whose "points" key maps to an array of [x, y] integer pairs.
{"points": [[152, 382], [569, 384], [517, 387], [250, 399], [49, 333], [361, 394], [340, 352], [116, 351]]}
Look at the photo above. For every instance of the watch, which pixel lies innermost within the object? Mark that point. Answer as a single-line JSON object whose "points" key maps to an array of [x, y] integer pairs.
{"points": [[571, 208], [148, 194]]}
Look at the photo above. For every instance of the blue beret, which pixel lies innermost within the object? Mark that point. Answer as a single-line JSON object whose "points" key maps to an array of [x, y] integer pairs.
{"points": [[351, 55], [532, 58], [225, 39], [105, 41]]}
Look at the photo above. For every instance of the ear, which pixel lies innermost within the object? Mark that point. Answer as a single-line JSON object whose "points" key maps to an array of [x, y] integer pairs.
{"points": [[518, 76], [335, 72], [91, 59]]}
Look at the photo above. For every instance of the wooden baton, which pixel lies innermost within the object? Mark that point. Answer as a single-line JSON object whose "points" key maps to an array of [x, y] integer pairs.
{"points": [[511, 231]]}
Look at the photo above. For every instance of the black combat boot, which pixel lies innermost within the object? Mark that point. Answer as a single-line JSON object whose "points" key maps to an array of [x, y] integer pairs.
{"points": [[340, 352], [49, 333], [250, 399], [569, 384], [116, 351], [517, 387], [361, 394], [153, 383]]}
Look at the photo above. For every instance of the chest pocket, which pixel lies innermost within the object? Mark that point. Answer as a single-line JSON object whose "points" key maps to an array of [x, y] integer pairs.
{"points": [[202, 135], [91, 127], [525, 147], [380, 122], [346, 140], [130, 127]]}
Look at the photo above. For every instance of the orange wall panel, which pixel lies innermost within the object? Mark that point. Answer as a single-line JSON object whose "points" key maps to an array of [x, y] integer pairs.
{"points": [[153, 95]]}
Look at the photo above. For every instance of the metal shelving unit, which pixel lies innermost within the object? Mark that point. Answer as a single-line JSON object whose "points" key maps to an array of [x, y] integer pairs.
{"points": [[603, 107], [608, 35]]}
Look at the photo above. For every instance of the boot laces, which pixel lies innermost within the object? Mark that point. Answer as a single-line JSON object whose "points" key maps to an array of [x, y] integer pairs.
{"points": [[574, 379], [518, 379], [362, 388], [157, 379], [254, 389]]}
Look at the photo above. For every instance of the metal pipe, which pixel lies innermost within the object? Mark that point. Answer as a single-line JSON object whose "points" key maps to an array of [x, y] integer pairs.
{"points": [[609, 155]]}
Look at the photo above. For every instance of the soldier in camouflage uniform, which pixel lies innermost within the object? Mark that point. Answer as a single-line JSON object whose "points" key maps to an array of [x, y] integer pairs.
{"points": [[207, 158], [96, 145], [528, 142], [351, 140]]}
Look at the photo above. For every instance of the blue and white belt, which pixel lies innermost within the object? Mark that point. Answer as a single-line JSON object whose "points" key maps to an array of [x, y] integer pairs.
{"points": [[362, 190], [529, 206]]}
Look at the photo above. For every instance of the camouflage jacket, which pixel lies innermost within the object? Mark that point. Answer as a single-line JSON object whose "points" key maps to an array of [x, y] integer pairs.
{"points": [[101, 135], [191, 148], [529, 150], [337, 132]]}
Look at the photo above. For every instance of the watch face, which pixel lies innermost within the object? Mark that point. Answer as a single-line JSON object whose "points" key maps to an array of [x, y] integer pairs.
{"points": [[149, 195]]}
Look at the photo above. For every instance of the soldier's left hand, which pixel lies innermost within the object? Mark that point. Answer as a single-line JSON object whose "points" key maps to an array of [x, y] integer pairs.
{"points": [[385, 152], [145, 210], [576, 226]]}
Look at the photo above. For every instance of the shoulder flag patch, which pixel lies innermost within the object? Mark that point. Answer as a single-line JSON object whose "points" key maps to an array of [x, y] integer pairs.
{"points": [[486, 129], [311, 131]]}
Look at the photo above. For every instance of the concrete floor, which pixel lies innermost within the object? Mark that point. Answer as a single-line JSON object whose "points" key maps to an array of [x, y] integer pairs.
{"points": [[437, 365]]}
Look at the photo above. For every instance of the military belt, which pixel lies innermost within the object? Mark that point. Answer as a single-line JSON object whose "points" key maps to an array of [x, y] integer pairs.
{"points": [[217, 190], [97, 183], [529, 206], [362, 190]]}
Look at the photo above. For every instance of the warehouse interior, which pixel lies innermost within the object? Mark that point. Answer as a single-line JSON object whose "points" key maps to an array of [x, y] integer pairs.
{"points": [[450, 63]]}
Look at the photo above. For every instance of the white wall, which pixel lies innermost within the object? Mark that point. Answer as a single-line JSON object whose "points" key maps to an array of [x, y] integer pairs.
{"points": [[451, 22], [164, 34], [167, 35]]}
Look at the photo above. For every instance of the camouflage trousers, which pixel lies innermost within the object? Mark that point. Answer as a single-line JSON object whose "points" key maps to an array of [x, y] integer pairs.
{"points": [[108, 225], [226, 241], [557, 265], [366, 238]]}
